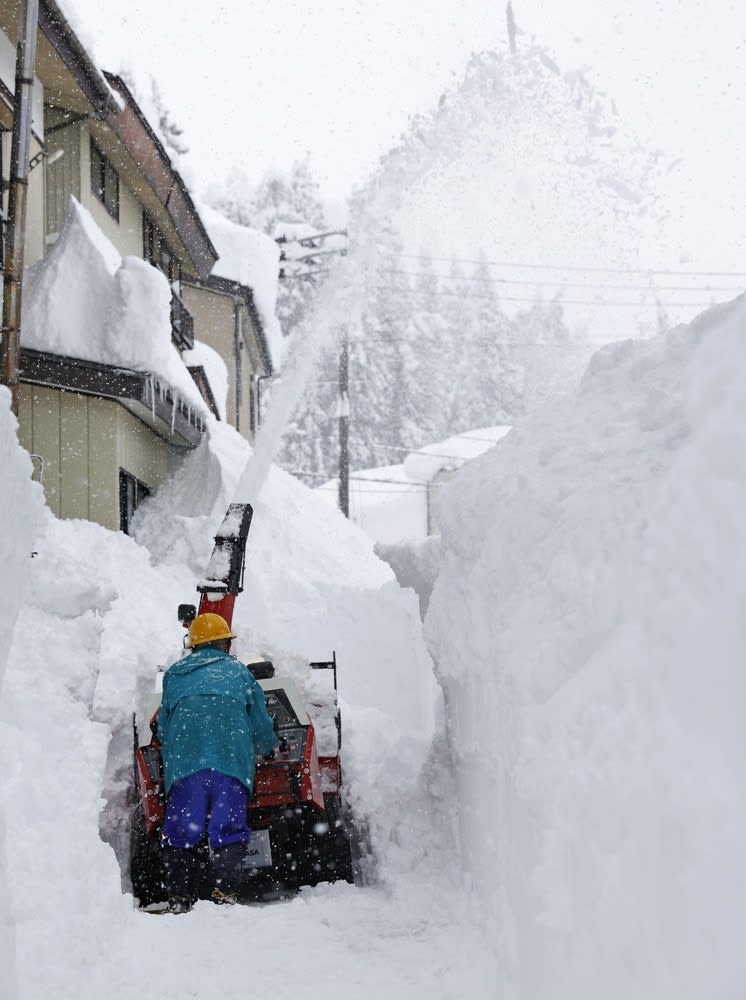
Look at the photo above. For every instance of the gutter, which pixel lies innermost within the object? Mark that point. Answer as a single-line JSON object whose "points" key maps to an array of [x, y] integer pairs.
{"points": [[164, 413]]}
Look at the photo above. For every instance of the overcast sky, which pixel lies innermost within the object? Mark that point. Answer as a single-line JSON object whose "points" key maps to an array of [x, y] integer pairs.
{"points": [[262, 83]]}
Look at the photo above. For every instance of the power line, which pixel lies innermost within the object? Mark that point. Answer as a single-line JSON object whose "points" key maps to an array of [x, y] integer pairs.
{"points": [[412, 451], [564, 302], [356, 489], [572, 267], [360, 479], [566, 284]]}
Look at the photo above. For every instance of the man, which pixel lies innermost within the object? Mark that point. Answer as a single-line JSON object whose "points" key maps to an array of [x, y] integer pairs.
{"points": [[212, 723]]}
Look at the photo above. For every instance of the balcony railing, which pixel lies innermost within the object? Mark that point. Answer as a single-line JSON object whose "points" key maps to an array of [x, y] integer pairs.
{"points": [[182, 324]]}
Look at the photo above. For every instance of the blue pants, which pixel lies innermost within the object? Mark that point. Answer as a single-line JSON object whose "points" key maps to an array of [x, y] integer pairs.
{"points": [[207, 802]]}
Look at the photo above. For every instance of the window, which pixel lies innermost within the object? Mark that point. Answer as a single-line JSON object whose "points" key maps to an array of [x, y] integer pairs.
{"points": [[131, 494], [157, 252], [104, 181]]}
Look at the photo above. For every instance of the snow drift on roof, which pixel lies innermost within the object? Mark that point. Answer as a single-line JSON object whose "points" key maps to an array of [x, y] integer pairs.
{"points": [[83, 300]]}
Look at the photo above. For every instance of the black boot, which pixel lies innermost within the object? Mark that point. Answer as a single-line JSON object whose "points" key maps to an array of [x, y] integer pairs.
{"points": [[228, 869], [180, 876]]}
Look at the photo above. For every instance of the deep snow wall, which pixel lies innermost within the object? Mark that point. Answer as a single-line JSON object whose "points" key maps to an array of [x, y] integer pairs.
{"points": [[22, 503], [588, 630]]}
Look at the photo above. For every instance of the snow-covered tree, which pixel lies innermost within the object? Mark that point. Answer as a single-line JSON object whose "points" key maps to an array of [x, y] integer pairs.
{"points": [[171, 133]]}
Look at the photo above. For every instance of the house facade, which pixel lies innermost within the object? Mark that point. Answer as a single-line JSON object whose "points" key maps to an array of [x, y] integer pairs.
{"points": [[226, 319], [101, 436]]}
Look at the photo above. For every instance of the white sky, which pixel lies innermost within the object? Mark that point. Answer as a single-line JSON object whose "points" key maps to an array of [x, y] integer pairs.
{"points": [[263, 83]]}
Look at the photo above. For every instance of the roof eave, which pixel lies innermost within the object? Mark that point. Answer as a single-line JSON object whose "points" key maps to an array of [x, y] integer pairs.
{"points": [[61, 36], [178, 425], [163, 179]]}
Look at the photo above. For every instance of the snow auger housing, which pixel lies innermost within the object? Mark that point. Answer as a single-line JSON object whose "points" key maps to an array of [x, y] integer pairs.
{"points": [[295, 813]]}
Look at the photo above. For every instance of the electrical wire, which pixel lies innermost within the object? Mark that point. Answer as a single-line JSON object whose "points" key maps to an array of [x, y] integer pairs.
{"points": [[565, 284], [564, 302], [358, 479], [571, 267]]}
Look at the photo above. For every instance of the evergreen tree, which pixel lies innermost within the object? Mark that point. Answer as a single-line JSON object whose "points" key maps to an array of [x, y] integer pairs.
{"points": [[377, 358], [551, 357], [487, 371], [428, 359], [171, 133]]}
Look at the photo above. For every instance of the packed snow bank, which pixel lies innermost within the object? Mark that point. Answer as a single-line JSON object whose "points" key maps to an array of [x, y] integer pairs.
{"points": [[589, 632], [416, 563], [84, 300]]}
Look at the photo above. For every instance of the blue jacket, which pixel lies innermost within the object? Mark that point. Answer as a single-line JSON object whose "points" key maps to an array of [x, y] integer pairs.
{"points": [[213, 715]]}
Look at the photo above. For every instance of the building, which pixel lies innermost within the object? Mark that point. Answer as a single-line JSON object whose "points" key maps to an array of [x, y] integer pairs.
{"points": [[101, 435]]}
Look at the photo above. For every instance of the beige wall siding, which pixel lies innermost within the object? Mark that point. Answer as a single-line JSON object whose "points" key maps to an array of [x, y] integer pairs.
{"points": [[214, 323], [126, 234], [35, 212], [103, 482], [74, 454], [63, 176], [84, 441], [141, 452], [44, 409]]}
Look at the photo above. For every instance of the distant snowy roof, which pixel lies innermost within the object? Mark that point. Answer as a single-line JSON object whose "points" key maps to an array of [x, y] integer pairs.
{"points": [[83, 300], [428, 461], [250, 258], [390, 502]]}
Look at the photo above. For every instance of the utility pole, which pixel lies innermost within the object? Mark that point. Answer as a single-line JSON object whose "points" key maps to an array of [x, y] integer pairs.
{"points": [[10, 348], [512, 31], [343, 412]]}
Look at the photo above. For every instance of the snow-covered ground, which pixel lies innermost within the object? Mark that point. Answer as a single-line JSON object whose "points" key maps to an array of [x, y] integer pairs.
{"points": [[573, 830]]}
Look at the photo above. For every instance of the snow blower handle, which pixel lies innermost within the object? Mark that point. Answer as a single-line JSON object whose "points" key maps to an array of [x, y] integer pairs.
{"points": [[281, 738]]}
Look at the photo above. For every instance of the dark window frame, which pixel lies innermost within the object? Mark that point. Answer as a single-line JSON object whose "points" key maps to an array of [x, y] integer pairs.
{"points": [[132, 492], [104, 181], [156, 251]]}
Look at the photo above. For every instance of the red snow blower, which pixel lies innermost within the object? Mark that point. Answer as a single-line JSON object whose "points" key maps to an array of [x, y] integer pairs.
{"points": [[300, 835]]}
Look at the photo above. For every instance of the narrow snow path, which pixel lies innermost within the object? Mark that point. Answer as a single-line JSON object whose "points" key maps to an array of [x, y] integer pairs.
{"points": [[339, 941]]}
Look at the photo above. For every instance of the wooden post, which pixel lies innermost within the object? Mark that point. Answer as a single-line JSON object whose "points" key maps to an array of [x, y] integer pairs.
{"points": [[344, 426]]}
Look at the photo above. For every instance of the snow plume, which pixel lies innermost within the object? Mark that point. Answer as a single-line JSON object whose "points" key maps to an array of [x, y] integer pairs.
{"points": [[335, 309], [546, 144], [589, 633]]}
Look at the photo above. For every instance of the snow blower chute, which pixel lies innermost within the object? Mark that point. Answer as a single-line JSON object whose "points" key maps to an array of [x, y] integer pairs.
{"points": [[295, 814]]}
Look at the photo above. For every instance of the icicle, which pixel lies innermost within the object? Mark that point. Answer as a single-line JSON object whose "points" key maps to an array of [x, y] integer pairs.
{"points": [[150, 391], [173, 414]]}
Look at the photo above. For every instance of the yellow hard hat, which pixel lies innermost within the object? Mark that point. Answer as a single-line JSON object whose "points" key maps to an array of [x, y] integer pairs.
{"points": [[208, 628]]}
